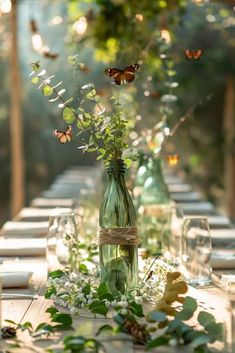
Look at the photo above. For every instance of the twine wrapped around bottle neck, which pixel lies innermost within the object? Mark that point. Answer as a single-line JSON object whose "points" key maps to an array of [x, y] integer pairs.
{"points": [[118, 236]]}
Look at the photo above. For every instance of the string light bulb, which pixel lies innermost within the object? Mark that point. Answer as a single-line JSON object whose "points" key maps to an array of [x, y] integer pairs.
{"points": [[165, 34], [80, 26], [5, 6], [38, 44]]}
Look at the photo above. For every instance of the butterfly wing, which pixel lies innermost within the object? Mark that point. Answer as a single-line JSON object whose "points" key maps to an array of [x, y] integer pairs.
{"points": [[116, 74], [121, 76], [188, 54], [68, 133], [63, 136], [197, 54]]}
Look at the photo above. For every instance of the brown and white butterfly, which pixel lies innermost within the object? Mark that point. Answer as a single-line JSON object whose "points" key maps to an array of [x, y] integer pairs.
{"points": [[193, 54], [64, 136], [122, 76]]}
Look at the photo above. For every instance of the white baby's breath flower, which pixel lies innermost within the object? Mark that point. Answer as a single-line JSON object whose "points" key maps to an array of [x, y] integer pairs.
{"points": [[138, 300], [107, 303], [114, 303], [173, 342], [90, 301], [124, 304], [89, 296], [73, 310], [123, 311], [80, 296]]}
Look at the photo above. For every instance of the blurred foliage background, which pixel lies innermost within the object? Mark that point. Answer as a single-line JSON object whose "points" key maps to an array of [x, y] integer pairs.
{"points": [[117, 33]]}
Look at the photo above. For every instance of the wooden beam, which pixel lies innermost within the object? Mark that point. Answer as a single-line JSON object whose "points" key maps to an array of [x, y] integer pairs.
{"points": [[16, 139]]}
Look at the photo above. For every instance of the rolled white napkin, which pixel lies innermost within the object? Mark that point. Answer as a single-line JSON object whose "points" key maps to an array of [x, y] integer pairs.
{"points": [[223, 259], [56, 202], [32, 212], [15, 279], [197, 208], [25, 228], [22, 247], [223, 236]]}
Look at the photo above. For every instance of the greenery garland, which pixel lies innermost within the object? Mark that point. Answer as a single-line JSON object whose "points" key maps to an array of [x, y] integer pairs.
{"points": [[166, 325]]}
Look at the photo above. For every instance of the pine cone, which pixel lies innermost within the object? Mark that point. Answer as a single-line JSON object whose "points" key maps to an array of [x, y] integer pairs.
{"points": [[8, 332], [138, 332]]}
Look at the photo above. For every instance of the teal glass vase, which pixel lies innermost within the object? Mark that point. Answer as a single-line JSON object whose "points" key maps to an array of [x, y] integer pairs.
{"points": [[140, 179], [155, 190], [118, 234], [155, 209]]}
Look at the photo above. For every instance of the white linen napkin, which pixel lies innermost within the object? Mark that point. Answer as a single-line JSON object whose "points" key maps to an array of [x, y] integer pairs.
{"points": [[223, 236], [32, 212], [22, 247], [56, 202], [13, 228], [223, 259], [15, 279]]}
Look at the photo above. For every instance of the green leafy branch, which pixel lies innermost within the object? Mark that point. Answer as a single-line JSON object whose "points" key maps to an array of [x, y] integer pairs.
{"points": [[107, 133]]}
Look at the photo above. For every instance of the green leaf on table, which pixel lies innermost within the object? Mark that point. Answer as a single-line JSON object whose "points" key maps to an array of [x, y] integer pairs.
{"points": [[49, 292], [83, 268], [98, 307], [69, 115], [215, 330], [11, 322], [156, 316], [56, 274], [159, 341], [190, 303], [64, 319], [136, 309], [26, 326], [104, 328], [189, 307], [43, 327], [52, 310], [35, 80], [47, 90], [102, 289], [184, 314], [205, 318], [200, 340], [86, 289]]}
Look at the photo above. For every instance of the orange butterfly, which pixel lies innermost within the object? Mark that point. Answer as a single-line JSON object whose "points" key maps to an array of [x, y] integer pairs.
{"points": [[121, 76], [173, 159], [64, 136], [193, 54]]}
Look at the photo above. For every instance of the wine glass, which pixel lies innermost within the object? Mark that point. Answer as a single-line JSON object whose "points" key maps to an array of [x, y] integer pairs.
{"points": [[196, 251], [67, 240]]}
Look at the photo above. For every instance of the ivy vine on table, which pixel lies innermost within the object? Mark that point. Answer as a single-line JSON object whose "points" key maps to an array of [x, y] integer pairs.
{"points": [[166, 325]]}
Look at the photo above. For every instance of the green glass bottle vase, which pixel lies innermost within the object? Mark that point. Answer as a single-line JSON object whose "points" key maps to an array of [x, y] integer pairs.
{"points": [[155, 208], [118, 234]]}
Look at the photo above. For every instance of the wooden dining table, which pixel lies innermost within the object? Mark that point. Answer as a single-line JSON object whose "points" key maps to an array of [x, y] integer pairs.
{"points": [[61, 193]]}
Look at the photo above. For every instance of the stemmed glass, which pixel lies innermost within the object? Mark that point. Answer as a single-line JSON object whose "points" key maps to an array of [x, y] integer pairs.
{"points": [[196, 251], [62, 240]]}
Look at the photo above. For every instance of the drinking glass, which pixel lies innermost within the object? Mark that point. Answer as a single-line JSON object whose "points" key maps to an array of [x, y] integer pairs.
{"points": [[52, 261], [67, 240], [177, 218], [196, 251]]}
